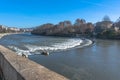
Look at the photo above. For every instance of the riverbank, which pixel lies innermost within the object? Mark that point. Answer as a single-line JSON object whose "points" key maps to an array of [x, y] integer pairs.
{"points": [[4, 34]]}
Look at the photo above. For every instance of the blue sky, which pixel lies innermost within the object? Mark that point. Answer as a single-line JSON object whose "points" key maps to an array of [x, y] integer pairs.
{"points": [[30, 13]]}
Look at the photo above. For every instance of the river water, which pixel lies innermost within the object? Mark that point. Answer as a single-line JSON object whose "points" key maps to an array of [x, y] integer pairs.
{"points": [[73, 58]]}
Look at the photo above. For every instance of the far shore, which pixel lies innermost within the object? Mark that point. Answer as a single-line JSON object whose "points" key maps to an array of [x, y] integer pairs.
{"points": [[4, 34]]}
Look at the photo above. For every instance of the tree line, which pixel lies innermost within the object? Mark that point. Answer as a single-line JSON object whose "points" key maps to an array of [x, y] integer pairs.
{"points": [[103, 29], [65, 28]]}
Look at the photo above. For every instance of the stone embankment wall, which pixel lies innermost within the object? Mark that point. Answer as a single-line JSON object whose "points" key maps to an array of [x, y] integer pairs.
{"points": [[14, 67]]}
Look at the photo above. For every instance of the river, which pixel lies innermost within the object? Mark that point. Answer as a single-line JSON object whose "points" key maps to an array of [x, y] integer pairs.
{"points": [[73, 58]]}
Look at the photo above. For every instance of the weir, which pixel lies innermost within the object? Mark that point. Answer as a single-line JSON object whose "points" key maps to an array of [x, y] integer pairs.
{"points": [[14, 67]]}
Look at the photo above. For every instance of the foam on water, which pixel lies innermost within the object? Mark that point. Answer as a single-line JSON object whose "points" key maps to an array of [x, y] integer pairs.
{"points": [[56, 46], [87, 43], [33, 49], [20, 51]]}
